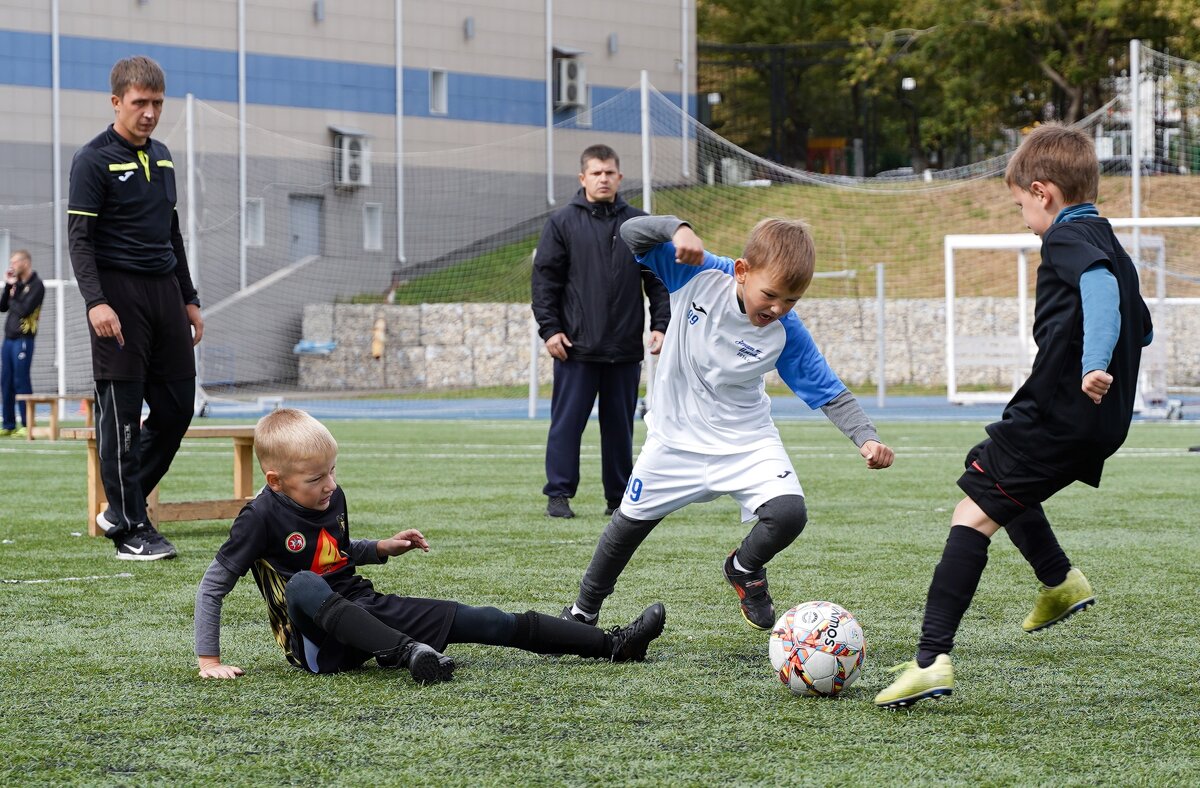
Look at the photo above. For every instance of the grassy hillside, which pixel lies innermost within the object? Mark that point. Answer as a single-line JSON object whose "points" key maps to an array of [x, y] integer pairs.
{"points": [[900, 225]]}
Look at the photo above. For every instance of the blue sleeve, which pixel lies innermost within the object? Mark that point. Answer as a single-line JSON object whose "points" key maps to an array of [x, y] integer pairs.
{"points": [[803, 368], [661, 260], [1101, 316]]}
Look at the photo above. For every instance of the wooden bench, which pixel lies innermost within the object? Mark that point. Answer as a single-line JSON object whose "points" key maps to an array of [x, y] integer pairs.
{"points": [[220, 509], [51, 432]]}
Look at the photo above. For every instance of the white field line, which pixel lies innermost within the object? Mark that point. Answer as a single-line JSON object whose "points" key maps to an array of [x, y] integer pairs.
{"points": [[85, 578]]}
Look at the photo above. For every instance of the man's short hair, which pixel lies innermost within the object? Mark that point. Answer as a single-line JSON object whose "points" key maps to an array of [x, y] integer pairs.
{"points": [[286, 437], [23, 254], [137, 71], [599, 153], [785, 247], [1057, 154]]}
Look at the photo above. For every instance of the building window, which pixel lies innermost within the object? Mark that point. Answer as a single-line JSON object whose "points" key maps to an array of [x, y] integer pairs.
{"points": [[439, 92], [373, 227], [255, 222]]}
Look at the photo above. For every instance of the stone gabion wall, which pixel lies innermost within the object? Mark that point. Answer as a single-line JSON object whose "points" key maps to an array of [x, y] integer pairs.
{"points": [[463, 346]]}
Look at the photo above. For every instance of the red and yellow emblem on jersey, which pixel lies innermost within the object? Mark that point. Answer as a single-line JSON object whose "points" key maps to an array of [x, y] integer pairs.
{"points": [[294, 542], [328, 557]]}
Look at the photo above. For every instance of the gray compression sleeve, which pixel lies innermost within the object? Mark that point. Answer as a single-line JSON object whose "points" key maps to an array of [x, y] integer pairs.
{"points": [[363, 552], [643, 233], [216, 583], [848, 416]]}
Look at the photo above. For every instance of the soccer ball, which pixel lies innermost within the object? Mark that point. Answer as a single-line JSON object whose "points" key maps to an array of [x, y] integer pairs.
{"points": [[817, 649]]}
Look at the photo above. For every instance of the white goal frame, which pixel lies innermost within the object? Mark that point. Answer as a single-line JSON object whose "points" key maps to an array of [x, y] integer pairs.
{"points": [[1016, 351]]}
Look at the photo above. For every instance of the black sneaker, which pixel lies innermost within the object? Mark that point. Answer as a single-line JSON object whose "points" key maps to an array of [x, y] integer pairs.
{"points": [[143, 544], [629, 643], [559, 506], [426, 665], [567, 615], [161, 541], [751, 587], [611, 506]]}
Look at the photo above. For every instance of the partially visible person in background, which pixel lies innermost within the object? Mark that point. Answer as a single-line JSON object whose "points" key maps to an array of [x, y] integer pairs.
{"points": [[22, 301]]}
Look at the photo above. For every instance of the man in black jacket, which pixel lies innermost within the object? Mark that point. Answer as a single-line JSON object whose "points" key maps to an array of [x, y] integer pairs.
{"points": [[21, 297], [588, 302]]}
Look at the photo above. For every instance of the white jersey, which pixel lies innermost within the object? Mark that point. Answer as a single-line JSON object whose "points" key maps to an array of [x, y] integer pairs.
{"points": [[709, 394]]}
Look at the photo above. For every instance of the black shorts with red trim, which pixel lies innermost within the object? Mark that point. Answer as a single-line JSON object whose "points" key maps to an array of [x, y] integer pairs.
{"points": [[425, 620], [1004, 484]]}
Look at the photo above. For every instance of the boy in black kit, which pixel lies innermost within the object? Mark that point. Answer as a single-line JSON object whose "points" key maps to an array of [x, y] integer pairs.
{"points": [[294, 537], [1090, 325]]}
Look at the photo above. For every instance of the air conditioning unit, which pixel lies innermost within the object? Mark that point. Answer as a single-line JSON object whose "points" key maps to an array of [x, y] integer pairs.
{"points": [[352, 160], [570, 85]]}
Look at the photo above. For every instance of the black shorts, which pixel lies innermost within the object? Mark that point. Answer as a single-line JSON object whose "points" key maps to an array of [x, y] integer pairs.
{"points": [[424, 620], [154, 325], [1005, 485]]}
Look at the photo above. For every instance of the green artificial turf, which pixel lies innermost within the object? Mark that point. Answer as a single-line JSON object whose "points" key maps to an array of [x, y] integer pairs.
{"points": [[99, 683]]}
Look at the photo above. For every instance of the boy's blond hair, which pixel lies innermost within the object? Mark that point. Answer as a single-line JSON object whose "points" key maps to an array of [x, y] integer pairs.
{"points": [[785, 247], [286, 437], [1057, 154], [137, 71]]}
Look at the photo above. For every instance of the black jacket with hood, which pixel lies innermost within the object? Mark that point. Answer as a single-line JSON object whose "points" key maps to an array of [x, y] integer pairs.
{"points": [[587, 285]]}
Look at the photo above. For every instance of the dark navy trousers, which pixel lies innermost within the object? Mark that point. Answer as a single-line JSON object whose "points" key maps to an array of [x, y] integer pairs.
{"points": [[15, 365], [577, 385]]}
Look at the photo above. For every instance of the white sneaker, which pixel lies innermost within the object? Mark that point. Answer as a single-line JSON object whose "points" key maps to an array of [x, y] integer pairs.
{"points": [[103, 523]]}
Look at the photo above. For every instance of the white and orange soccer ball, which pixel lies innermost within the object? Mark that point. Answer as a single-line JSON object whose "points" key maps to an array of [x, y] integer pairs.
{"points": [[817, 649]]}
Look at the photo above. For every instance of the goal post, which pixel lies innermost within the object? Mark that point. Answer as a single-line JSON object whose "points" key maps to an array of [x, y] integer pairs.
{"points": [[1013, 352]]}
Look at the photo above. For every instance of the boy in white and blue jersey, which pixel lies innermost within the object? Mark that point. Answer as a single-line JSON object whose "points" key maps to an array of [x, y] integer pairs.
{"points": [[710, 430]]}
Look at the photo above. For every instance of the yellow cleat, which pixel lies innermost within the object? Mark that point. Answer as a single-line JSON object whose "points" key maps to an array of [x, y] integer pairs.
{"points": [[1060, 602], [916, 683]]}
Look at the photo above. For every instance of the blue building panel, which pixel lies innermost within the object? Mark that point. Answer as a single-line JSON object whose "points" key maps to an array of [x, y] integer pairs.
{"points": [[309, 83]]}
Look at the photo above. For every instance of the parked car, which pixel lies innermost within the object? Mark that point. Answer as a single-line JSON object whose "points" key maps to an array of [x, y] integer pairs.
{"points": [[1121, 165]]}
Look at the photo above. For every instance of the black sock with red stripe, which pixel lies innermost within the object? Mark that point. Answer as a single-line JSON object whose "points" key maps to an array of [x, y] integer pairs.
{"points": [[954, 582]]}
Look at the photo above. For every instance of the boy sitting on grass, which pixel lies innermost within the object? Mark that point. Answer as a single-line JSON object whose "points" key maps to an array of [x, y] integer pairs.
{"points": [[710, 430], [295, 538], [1090, 324]]}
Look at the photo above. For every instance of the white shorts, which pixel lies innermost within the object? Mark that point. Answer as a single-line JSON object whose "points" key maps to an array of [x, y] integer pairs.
{"points": [[665, 480]]}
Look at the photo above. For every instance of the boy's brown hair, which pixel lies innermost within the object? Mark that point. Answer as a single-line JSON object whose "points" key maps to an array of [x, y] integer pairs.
{"points": [[1057, 154], [137, 71], [785, 247], [287, 436]]}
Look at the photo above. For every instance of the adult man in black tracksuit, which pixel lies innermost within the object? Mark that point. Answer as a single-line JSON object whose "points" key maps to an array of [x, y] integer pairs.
{"points": [[143, 314], [588, 302]]}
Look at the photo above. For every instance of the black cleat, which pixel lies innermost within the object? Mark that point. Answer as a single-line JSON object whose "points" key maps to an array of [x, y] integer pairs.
{"points": [[757, 607], [426, 665], [611, 506], [559, 506], [629, 643]]}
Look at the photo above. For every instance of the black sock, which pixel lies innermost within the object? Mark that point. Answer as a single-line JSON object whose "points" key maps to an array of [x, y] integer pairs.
{"points": [[348, 623], [1032, 535], [954, 582], [544, 634]]}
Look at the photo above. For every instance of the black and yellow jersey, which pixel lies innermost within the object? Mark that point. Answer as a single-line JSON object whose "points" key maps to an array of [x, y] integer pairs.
{"points": [[121, 213], [274, 538]]}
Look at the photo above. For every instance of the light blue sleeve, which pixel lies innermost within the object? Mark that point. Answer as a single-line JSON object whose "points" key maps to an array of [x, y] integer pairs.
{"points": [[1101, 316], [803, 368], [661, 260]]}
